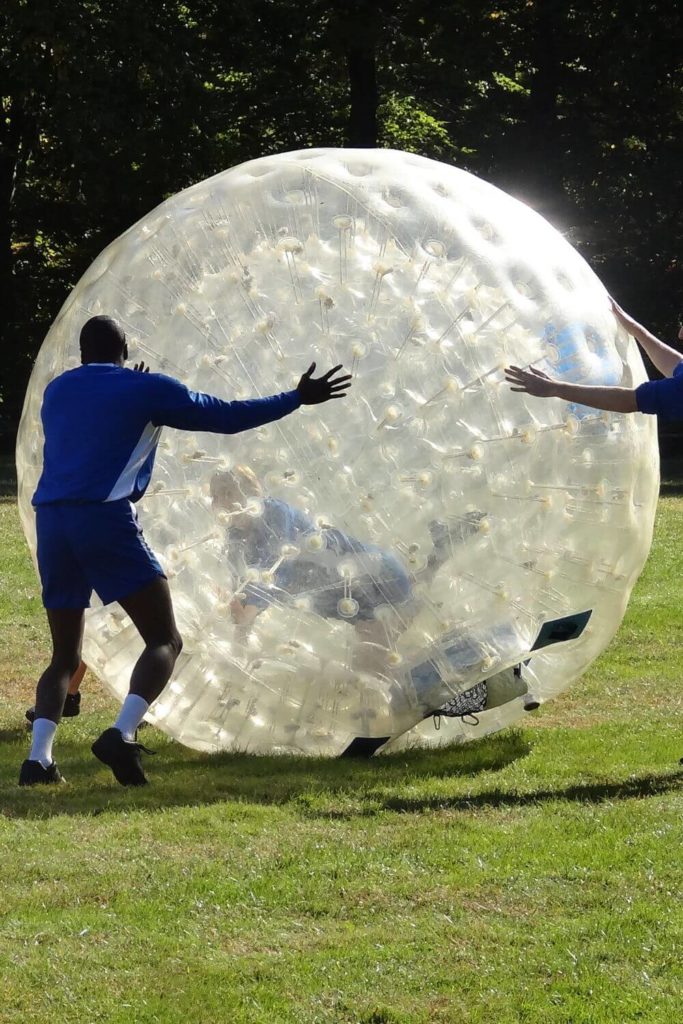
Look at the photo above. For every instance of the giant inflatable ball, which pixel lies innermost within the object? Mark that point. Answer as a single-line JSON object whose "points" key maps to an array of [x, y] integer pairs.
{"points": [[423, 561]]}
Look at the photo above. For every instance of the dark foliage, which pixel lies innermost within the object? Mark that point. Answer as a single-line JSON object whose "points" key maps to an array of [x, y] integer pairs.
{"points": [[110, 107]]}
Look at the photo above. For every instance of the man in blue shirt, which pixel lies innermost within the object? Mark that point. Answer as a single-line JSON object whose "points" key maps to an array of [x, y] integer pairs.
{"points": [[102, 424]]}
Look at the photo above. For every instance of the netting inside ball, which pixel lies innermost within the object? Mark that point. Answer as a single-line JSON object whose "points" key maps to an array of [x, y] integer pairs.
{"points": [[347, 571]]}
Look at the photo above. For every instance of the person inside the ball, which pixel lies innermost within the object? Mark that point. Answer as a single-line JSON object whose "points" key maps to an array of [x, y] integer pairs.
{"points": [[102, 423], [338, 576]]}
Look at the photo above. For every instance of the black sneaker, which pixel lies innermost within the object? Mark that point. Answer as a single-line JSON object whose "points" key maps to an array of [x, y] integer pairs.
{"points": [[122, 756], [32, 773], [72, 705], [465, 705], [72, 708]]}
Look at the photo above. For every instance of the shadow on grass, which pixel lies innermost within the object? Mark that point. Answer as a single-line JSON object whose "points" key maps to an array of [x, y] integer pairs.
{"points": [[182, 777], [633, 788], [314, 787]]}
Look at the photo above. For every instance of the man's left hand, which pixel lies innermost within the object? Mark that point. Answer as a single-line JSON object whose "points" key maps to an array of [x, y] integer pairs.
{"points": [[313, 391]]}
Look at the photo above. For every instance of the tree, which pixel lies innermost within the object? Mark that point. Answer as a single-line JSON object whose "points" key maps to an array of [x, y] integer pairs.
{"points": [[109, 107]]}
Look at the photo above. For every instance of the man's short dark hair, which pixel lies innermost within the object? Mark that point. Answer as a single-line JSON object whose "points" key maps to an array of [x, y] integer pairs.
{"points": [[102, 341]]}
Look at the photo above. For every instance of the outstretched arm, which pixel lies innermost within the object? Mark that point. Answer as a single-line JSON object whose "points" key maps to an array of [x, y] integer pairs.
{"points": [[664, 357], [177, 406], [534, 382]]}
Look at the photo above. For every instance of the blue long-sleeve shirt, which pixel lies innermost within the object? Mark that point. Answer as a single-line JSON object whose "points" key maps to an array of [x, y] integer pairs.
{"points": [[663, 398], [102, 425]]}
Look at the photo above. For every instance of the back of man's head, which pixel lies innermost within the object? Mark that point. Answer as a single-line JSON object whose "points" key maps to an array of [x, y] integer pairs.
{"points": [[102, 341]]}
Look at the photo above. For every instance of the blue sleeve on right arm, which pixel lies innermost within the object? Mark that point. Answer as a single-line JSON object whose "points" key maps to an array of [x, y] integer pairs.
{"points": [[662, 397], [177, 406]]}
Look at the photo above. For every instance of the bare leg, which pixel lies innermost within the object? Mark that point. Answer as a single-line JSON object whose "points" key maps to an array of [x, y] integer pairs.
{"points": [[77, 679], [151, 610], [66, 627]]}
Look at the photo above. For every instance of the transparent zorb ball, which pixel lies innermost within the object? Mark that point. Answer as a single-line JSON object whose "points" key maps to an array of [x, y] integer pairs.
{"points": [[341, 575]]}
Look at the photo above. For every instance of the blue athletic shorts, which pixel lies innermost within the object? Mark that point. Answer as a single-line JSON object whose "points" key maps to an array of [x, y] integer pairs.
{"points": [[91, 546]]}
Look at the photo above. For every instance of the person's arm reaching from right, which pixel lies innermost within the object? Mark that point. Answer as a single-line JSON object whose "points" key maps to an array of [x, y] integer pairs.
{"points": [[664, 357], [657, 397], [535, 382], [177, 406]]}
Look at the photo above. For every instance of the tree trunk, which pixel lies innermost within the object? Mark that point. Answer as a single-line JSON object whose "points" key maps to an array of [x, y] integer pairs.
{"points": [[544, 148], [8, 160], [361, 65]]}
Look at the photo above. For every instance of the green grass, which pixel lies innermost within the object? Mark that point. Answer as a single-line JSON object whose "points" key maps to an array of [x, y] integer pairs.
{"points": [[533, 877]]}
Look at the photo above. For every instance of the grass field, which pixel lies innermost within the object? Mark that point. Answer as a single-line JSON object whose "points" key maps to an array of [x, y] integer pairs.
{"points": [[534, 877]]}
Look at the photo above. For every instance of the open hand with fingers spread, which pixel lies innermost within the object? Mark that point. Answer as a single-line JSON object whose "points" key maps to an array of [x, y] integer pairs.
{"points": [[531, 381], [627, 322], [141, 368], [313, 391]]}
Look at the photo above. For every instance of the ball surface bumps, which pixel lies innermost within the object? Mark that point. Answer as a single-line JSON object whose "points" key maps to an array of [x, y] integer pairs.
{"points": [[347, 571]]}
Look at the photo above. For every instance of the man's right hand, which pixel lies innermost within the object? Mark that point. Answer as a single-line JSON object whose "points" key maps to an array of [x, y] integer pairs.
{"points": [[531, 381], [313, 391]]}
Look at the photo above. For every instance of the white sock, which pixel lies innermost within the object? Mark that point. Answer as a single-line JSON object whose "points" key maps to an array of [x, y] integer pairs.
{"points": [[132, 712], [43, 734]]}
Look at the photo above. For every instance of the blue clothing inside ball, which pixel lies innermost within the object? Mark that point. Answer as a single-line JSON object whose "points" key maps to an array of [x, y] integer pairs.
{"points": [[377, 578]]}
